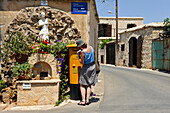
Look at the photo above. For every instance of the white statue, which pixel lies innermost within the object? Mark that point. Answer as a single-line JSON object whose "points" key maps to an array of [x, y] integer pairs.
{"points": [[44, 33]]}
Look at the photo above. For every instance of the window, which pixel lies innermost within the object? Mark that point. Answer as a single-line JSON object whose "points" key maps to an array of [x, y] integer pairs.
{"points": [[123, 47], [105, 30], [131, 25]]}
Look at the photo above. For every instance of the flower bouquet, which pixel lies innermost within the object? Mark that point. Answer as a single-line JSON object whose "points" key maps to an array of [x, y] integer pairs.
{"points": [[44, 47]]}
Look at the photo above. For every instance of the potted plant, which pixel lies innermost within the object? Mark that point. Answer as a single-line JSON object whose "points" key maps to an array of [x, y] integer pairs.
{"points": [[23, 71], [17, 45]]}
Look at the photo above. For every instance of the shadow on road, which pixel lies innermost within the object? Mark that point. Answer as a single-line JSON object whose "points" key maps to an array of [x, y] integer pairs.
{"points": [[94, 100]]}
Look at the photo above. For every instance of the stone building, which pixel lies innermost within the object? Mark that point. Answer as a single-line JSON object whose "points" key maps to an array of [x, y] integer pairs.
{"points": [[107, 30], [135, 45], [84, 24], [86, 21], [68, 21]]}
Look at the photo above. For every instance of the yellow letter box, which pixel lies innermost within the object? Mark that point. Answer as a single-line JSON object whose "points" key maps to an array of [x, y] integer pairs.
{"points": [[74, 72]]}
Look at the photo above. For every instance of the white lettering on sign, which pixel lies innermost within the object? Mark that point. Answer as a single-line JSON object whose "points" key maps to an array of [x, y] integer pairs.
{"points": [[26, 85], [44, 2]]}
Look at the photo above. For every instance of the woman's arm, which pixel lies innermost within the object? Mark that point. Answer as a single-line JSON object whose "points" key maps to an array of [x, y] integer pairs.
{"points": [[81, 59]]}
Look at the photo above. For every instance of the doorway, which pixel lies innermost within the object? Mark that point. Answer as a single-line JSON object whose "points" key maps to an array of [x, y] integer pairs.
{"points": [[102, 59], [110, 53], [139, 52], [133, 51]]}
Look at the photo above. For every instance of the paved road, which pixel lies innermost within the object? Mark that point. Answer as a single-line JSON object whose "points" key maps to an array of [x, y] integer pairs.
{"points": [[135, 91], [126, 91]]}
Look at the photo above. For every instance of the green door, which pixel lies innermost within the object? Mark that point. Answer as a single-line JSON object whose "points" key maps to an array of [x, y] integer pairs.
{"points": [[157, 54]]}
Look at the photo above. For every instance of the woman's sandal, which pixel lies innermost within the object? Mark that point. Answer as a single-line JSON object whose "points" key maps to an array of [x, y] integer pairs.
{"points": [[87, 102], [82, 103]]}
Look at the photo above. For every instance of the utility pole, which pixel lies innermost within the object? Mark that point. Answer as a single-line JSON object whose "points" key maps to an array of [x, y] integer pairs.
{"points": [[116, 44], [116, 47]]}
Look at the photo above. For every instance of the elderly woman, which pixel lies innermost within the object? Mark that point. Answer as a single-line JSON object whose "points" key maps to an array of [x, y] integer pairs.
{"points": [[88, 75]]}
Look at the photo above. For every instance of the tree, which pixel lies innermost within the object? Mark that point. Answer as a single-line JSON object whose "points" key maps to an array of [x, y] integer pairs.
{"points": [[167, 24]]}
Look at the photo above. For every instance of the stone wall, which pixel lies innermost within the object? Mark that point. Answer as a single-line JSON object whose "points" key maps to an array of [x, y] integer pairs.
{"points": [[102, 52], [5, 18], [93, 28], [147, 34], [42, 92]]}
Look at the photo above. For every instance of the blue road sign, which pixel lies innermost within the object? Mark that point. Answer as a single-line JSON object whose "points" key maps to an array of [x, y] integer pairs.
{"points": [[79, 8]]}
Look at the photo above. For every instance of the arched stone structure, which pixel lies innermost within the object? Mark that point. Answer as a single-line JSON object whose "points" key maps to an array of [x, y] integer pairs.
{"points": [[61, 24], [61, 27], [43, 69], [47, 58]]}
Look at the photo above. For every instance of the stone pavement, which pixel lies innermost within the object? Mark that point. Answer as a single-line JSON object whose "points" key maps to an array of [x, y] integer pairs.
{"points": [[98, 89]]}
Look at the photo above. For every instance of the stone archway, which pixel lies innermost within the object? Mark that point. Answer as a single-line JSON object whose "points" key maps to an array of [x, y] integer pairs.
{"points": [[43, 69], [61, 24], [45, 58], [61, 27]]}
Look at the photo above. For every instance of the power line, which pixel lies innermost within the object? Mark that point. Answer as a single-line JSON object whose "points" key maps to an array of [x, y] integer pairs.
{"points": [[100, 4], [108, 4]]}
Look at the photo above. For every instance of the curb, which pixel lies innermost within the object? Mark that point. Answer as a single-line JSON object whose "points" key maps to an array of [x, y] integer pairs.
{"points": [[163, 73], [14, 107]]}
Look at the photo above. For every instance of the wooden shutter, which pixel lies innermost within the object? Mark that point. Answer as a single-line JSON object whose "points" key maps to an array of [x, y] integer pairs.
{"points": [[109, 30]]}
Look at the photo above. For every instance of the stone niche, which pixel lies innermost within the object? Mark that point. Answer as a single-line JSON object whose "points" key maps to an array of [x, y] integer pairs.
{"points": [[45, 65], [42, 70], [44, 91]]}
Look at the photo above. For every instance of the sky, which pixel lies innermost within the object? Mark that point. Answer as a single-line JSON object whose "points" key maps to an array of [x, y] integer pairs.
{"points": [[150, 10]]}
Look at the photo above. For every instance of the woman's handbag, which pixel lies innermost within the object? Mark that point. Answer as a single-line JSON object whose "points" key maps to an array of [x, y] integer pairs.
{"points": [[97, 64], [97, 67]]}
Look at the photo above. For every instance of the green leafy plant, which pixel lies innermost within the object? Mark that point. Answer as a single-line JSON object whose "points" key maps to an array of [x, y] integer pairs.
{"points": [[16, 44], [59, 50], [2, 84], [167, 24], [63, 83], [24, 69], [103, 42]]}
